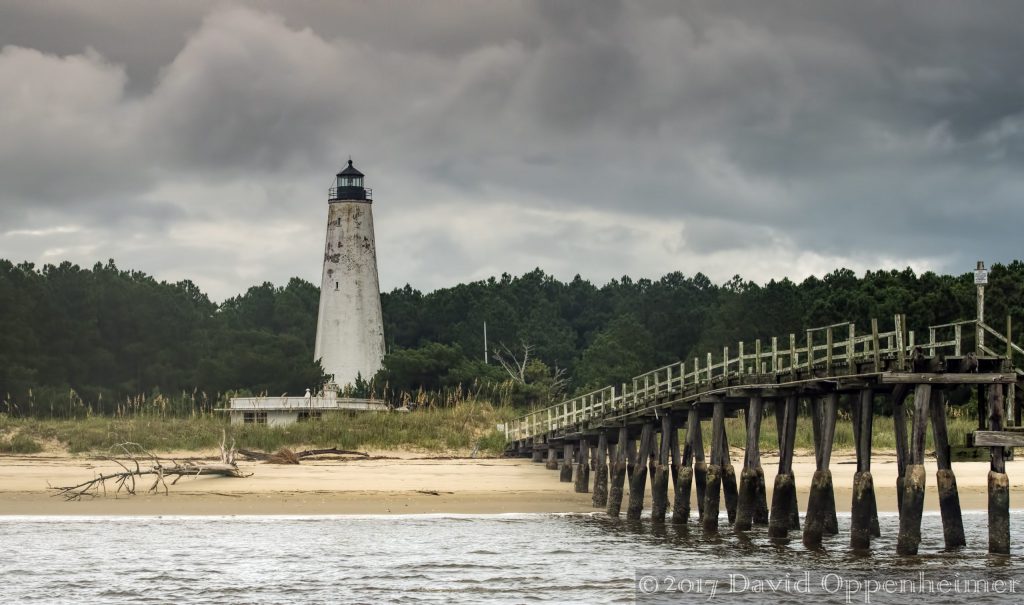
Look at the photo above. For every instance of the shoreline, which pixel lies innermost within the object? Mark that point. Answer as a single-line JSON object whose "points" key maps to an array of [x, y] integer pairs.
{"points": [[401, 483]]}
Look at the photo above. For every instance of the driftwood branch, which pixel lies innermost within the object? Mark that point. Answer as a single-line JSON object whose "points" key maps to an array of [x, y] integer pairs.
{"points": [[287, 456], [130, 457]]}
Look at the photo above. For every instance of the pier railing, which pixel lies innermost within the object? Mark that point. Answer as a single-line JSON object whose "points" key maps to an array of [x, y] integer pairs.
{"points": [[826, 351]]}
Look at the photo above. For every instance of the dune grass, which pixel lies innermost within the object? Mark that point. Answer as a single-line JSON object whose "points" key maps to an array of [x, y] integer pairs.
{"points": [[20, 443], [464, 426], [883, 435]]}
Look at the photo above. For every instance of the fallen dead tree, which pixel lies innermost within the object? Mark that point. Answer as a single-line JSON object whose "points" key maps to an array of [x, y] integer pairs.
{"points": [[287, 456], [137, 463]]}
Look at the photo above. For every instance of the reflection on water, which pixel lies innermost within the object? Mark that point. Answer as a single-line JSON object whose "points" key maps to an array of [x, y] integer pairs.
{"points": [[445, 558]]}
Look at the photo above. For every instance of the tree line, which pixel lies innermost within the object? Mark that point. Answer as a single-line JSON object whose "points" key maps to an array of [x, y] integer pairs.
{"points": [[74, 338]]}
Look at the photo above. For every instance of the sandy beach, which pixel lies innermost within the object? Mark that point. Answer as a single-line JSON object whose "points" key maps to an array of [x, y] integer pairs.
{"points": [[400, 483]]}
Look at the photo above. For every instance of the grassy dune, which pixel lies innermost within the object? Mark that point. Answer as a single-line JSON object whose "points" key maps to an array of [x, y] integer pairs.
{"points": [[464, 426], [461, 427], [883, 433]]}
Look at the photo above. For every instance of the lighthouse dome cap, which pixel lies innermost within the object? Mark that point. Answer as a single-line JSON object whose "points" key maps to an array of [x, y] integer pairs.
{"points": [[350, 170]]}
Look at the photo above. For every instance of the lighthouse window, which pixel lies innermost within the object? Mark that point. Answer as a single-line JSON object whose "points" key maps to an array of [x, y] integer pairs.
{"points": [[339, 221], [335, 285]]}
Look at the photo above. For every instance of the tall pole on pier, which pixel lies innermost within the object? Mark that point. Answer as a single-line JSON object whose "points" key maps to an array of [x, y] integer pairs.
{"points": [[981, 280], [485, 342]]}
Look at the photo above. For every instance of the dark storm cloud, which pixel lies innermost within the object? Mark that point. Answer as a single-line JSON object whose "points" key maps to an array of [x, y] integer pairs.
{"points": [[598, 138]]}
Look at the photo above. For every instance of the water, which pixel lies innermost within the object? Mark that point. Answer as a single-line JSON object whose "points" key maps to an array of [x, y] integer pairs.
{"points": [[452, 559]]}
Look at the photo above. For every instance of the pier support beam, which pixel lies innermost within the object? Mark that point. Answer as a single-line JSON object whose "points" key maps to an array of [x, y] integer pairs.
{"points": [[582, 477], [600, 498], [552, 463], [618, 474], [863, 509], [747, 504], [913, 491], [998, 482], [684, 476], [760, 499], [949, 498], [684, 480], [565, 475], [784, 514], [662, 470], [713, 491], [638, 482], [729, 489], [537, 451], [899, 419], [700, 468], [821, 499]]}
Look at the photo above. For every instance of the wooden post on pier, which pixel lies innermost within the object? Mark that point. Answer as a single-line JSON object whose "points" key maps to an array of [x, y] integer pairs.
{"points": [[565, 475], [662, 470], [683, 465], [552, 463], [949, 499], [536, 450], [784, 513], [638, 482], [684, 481], [695, 436], [618, 474], [729, 490], [998, 483], [751, 460], [899, 419], [821, 500], [600, 498], [863, 509], [582, 477], [913, 490], [713, 491]]}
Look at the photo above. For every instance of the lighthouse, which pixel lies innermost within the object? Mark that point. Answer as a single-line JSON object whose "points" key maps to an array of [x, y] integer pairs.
{"points": [[349, 328]]}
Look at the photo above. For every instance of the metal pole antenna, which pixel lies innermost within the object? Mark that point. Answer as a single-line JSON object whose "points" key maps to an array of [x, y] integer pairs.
{"points": [[485, 342]]}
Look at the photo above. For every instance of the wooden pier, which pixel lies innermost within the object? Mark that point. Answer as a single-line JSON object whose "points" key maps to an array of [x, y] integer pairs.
{"points": [[629, 431]]}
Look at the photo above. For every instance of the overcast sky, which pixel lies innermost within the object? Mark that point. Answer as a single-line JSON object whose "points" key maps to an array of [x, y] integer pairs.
{"points": [[197, 140]]}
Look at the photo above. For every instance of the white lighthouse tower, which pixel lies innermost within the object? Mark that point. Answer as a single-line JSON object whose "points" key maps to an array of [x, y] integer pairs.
{"points": [[350, 329]]}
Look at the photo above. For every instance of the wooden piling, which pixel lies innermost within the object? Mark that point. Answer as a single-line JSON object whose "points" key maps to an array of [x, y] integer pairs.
{"points": [[552, 463], [949, 498], [899, 419], [760, 499], [565, 475], [618, 474], [713, 491], [600, 498], [792, 408], [784, 507], [913, 491], [751, 459], [821, 498], [700, 468], [582, 476], [863, 509], [998, 482], [684, 477], [638, 482], [729, 490], [536, 451], [662, 470]]}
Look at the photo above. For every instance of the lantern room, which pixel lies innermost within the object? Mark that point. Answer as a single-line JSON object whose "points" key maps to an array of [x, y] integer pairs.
{"points": [[348, 185]]}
